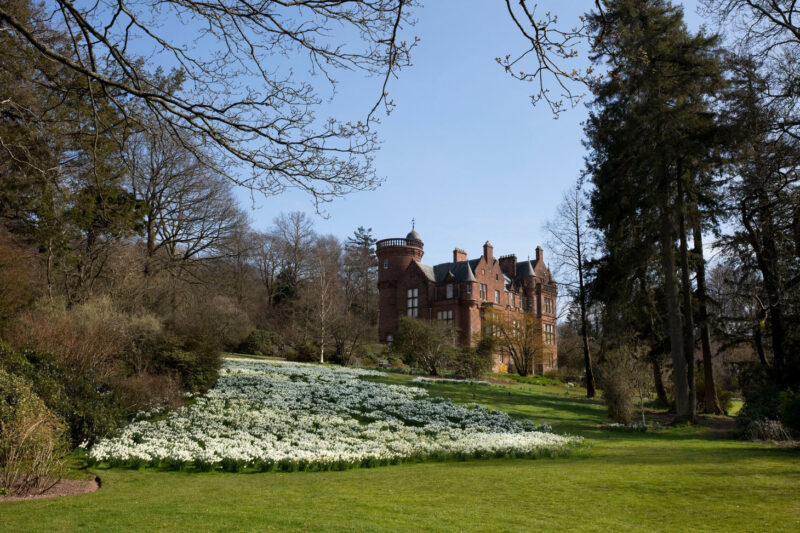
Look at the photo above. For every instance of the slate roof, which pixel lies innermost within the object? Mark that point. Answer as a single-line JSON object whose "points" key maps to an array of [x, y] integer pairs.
{"points": [[461, 271], [465, 271]]}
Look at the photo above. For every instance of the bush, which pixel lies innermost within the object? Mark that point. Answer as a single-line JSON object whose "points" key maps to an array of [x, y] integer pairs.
{"points": [[196, 370], [766, 430], [91, 410], [89, 338], [474, 363], [216, 322], [31, 439], [618, 397], [424, 344], [144, 391], [303, 353], [260, 342], [765, 401]]}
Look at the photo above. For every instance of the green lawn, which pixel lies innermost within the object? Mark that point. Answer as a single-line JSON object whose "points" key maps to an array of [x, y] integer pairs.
{"points": [[673, 479]]}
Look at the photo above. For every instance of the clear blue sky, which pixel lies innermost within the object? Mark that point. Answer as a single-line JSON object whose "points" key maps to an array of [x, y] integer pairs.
{"points": [[464, 152]]}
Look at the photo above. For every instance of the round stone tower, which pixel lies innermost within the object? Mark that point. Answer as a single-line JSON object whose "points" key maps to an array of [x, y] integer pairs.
{"points": [[394, 256]]}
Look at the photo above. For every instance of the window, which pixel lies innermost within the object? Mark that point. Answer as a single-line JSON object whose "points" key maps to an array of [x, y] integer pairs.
{"points": [[511, 299], [445, 316], [449, 290], [549, 334], [413, 302], [469, 289], [496, 277], [484, 292], [496, 296], [389, 339], [386, 263], [548, 305]]}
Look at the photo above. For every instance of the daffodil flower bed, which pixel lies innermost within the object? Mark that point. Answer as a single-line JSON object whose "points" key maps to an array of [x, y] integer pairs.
{"points": [[268, 415]]}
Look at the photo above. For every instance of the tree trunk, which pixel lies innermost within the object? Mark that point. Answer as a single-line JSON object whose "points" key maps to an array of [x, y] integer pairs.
{"points": [[710, 400], [673, 312], [688, 310], [658, 381], [587, 357]]}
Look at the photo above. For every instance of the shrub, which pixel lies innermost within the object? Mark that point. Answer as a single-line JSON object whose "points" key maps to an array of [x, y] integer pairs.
{"points": [[260, 342], [766, 430], [216, 322], [305, 352], [474, 363], [90, 338], [143, 391], [196, 370], [424, 344], [765, 401], [618, 397], [553, 374], [90, 409], [31, 438]]}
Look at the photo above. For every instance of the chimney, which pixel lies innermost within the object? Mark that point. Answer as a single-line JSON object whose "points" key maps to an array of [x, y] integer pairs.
{"points": [[487, 252], [539, 254], [508, 264], [459, 255]]}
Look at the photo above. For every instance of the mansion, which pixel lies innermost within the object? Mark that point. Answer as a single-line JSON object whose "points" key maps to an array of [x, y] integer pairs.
{"points": [[460, 291]]}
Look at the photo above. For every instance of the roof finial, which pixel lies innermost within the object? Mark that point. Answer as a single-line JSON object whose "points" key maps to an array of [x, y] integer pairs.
{"points": [[413, 223]]}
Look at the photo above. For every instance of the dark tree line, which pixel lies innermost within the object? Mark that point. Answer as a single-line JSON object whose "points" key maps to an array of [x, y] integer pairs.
{"points": [[687, 140]]}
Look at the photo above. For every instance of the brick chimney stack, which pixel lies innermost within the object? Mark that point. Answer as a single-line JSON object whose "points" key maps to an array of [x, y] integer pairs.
{"points": [[487, 252], [539, 254], [459, 255]]}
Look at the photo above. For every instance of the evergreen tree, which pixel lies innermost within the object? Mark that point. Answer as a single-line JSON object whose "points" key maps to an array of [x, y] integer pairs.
{"points": [[651, 140]]}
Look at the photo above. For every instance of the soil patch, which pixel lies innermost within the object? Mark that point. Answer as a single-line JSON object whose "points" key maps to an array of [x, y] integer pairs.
{"points": [[64, 487]]}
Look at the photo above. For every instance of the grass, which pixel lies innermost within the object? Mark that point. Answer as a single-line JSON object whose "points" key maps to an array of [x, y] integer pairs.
{"points": [[673, 479]]}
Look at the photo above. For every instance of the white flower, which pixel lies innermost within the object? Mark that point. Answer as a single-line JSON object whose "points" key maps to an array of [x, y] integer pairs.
{"points": [[274, 412]]}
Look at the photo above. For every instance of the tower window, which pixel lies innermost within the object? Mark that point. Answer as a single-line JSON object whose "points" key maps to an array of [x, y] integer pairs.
{"points": [[386, 263], [413, 302]]}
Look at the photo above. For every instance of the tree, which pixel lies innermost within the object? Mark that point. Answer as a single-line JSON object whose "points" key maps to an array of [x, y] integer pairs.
{"points": [[426, 344], [571, 245], [323, 292], [761, 200], [360, 270], [519, 336], [296, 234], [768, 32], [238, 91], [652, 142]]}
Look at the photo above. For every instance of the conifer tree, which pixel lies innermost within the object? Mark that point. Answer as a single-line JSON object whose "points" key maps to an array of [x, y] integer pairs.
{"points": [[651, 139]]}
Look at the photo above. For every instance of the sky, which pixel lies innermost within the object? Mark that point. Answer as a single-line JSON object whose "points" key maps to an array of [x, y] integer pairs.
{"points": [[464, 153]]}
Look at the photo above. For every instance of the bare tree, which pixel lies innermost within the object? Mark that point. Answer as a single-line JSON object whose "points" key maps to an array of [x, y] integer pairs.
{"points": [[295, 230], [521, 337], [269, 259], [323, 293], [551, 47], [571, 242], [768, 31], [233, 80]]}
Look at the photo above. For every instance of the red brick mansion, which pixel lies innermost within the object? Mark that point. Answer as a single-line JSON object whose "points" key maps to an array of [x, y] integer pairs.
{"points": [[458, 292]]}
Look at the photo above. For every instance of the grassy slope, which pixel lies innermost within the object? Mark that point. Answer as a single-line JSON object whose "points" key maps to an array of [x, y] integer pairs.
{"points": [[672, 480]]}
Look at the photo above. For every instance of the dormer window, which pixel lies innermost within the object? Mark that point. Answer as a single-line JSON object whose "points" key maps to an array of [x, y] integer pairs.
{"points": [[449, 290]]}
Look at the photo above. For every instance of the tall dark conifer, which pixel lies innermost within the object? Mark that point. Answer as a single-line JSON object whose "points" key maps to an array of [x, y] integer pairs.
{"points": [[651, 137]]}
